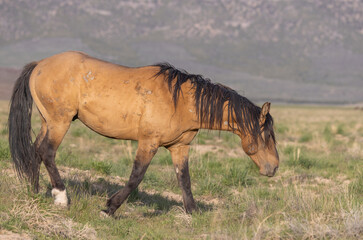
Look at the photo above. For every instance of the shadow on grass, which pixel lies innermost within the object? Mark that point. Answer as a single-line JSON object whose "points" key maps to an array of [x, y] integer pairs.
{"points": [[105, 188]]}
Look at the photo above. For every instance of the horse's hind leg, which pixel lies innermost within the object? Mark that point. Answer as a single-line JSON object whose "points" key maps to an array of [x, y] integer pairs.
{"points": [[180, 156], [47, 150], [145, 152], [37, 144]]}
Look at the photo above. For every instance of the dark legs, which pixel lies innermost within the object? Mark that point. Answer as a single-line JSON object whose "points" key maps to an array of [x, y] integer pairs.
{"points": [[37, 144], [144, 154], [180, 155], [47, 146]]}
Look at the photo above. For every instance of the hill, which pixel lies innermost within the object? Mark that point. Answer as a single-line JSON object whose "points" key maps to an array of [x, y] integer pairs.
{"points": [[7, 79], [285, 50]]}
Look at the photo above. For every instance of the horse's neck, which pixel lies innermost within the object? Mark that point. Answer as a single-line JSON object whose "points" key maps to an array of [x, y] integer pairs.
{"points": [[227, 124]]}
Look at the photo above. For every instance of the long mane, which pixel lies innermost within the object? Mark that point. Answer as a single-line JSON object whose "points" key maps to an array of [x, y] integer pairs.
{"points": [[210, 99]]}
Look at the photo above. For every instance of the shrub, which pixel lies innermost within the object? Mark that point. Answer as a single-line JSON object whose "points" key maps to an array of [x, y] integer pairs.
{"points": [[102, 167]]}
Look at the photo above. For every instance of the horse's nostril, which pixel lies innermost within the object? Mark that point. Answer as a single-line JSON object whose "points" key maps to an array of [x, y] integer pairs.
{"points": [[275, 170]]}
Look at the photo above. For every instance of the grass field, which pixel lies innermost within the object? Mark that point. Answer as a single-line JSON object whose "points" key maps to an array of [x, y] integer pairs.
{"points": [[316, 194]]}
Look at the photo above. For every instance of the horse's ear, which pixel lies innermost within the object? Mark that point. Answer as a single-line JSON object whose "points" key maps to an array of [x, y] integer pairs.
{"points": [[264, 111]]}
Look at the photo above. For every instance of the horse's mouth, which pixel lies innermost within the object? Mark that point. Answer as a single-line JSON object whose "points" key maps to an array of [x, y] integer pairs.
{"points": [[269, 173]]}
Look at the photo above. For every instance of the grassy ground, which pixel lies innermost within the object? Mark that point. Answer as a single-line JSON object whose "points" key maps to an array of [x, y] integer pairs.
{"points": [[316, 194]]}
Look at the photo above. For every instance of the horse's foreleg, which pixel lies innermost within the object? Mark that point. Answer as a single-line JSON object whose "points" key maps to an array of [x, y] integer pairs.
{"points": [[47, 151], [180, 156], [144, 154]]}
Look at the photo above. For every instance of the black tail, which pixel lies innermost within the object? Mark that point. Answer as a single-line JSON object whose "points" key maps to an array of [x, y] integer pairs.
{"points": [[23, 153]]}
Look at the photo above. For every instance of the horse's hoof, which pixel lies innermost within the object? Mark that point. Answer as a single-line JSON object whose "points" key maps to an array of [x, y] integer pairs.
{"points": [[60, 197], [103, 214]]}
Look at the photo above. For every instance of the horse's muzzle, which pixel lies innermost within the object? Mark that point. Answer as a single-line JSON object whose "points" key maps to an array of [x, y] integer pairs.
{"points": [[269, 170]]}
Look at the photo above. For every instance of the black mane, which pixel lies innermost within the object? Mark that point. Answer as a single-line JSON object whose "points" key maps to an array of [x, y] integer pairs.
{"points": [[210, 99]]}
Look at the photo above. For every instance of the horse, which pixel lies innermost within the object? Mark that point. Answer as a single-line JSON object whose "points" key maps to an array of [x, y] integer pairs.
{"points": [[157, 105]]}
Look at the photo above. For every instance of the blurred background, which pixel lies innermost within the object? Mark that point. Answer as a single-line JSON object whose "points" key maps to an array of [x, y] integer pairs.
{"points": [[284, 51]]}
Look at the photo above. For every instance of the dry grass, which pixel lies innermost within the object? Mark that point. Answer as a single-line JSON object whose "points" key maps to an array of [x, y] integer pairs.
{"points": [[317, 193], [48, 220], [7, 235], [344, 222]]}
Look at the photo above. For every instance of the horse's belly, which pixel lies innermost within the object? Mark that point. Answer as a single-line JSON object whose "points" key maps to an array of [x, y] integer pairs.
{"points": [[111, 122]]}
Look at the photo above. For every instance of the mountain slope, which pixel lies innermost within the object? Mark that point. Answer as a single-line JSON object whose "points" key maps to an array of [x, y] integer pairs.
{"points": [[284, 42]]}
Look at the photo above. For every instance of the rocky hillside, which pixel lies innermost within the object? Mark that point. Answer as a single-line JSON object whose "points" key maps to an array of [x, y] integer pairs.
{"points": [[291, 43]]}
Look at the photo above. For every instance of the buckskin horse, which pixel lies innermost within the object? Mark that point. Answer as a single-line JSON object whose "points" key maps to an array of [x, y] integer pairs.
{"points": [[155, 105]]}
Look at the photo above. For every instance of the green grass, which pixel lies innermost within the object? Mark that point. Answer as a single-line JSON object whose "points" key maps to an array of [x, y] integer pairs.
{"points": [[306, 137], [316, 194], [281, 128], [356, 186], [4, 150]]}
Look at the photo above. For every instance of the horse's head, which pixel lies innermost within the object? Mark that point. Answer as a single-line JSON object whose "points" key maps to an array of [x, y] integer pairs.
{"points": [[262, 149]]}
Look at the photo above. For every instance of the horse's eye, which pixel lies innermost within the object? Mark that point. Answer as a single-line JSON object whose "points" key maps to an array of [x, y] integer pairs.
{"points": [[266, 137]]}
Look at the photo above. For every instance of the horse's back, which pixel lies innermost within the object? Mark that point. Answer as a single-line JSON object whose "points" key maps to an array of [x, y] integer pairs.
{"points": [[113, 100]]}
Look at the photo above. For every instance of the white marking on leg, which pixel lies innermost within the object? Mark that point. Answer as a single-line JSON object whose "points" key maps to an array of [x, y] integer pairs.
{"points": [[104, 215], [60, 197]]}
